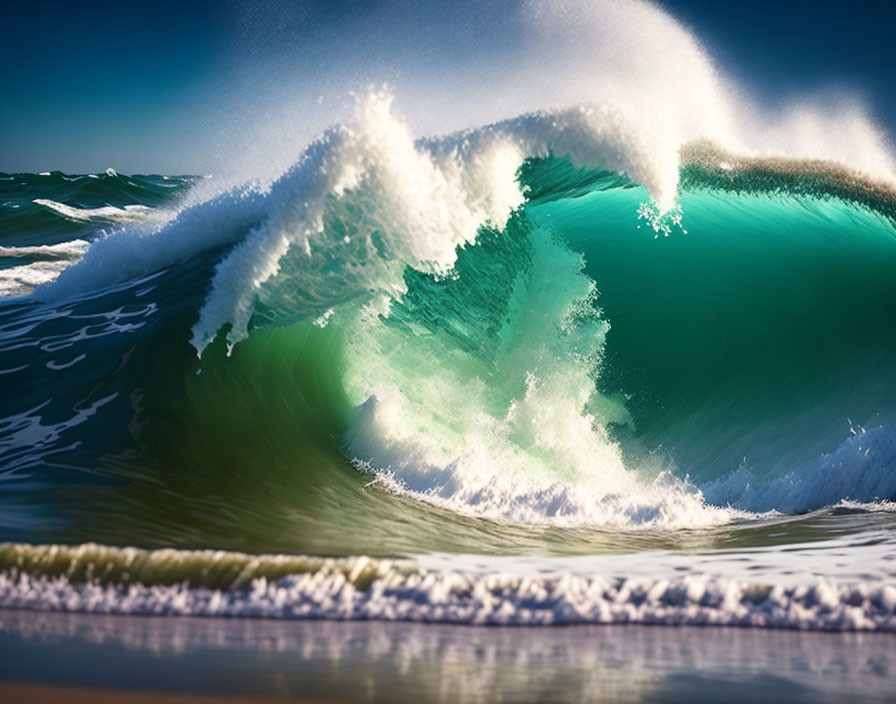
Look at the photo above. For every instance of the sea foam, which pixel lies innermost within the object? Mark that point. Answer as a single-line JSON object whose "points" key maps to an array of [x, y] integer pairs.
{"points": [[362, 588]]}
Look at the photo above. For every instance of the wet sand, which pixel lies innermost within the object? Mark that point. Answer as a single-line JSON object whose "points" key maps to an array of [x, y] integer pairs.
{"points": [[41, 694], [89, 658]]}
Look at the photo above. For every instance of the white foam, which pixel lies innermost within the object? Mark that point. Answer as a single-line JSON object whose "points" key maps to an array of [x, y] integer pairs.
{"points": [[52, 259], [860, 470], [22, 280], [109, 213], [362, 588], [64, 250]]}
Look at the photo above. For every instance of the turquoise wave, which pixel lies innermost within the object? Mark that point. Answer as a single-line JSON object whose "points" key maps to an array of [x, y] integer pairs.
{"points": [[573, 380]]}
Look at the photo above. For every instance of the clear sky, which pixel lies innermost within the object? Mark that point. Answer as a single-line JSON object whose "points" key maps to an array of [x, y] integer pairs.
{"points": [[180, 87]]}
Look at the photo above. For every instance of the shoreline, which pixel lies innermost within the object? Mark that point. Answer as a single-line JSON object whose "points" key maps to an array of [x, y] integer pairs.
{"points": [[50, 657], [47, 694]]}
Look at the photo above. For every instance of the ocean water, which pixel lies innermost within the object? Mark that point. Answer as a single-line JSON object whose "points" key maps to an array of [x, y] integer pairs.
{"points": [[583, 419], [561, 368]]}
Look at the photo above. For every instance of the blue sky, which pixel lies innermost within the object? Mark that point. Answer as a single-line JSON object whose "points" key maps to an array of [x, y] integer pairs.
{"points": [[173, 86]]}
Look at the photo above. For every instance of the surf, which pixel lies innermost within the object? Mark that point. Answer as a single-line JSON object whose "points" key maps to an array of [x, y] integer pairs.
{"points": [[638, 316]]}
